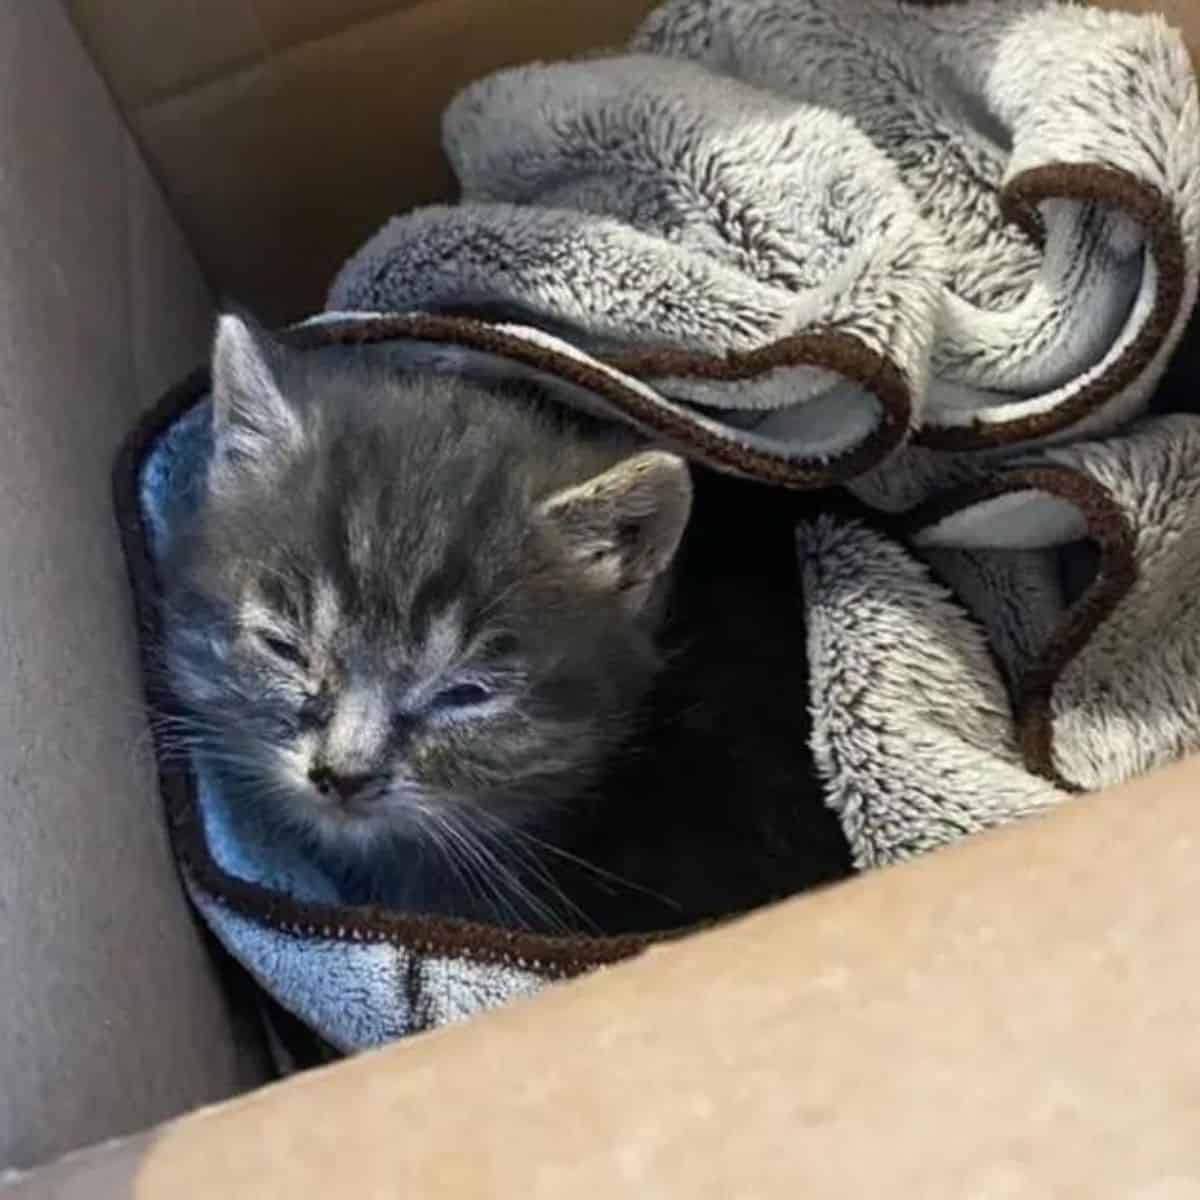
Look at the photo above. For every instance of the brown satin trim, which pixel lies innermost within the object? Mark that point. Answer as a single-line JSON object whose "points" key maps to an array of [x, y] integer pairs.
{"points": [[1110, 530], [831, 350], [849, 357], [845, 354], [1018, 200], [551, 957], [1156, 214]]}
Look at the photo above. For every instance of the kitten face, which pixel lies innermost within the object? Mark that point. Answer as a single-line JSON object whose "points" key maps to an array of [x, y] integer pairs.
{"points": [[404, 605]]}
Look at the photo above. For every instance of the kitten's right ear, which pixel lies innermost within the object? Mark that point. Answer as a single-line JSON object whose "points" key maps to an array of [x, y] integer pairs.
{"points": [[623, 527], [253, 423]]}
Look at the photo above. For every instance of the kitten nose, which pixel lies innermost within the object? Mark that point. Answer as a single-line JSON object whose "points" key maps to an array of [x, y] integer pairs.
{"points": [[344, 787]]}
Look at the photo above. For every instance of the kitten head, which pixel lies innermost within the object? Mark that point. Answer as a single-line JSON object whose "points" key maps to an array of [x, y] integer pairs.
{"points": [[406, 602]]}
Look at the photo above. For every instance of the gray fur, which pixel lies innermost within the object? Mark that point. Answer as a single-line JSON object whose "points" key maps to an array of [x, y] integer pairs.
{"points": [[408, 603]]}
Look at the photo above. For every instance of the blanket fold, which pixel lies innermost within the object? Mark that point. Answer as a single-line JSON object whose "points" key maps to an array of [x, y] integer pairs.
{"points": [[1110, 687], [831, 228]]}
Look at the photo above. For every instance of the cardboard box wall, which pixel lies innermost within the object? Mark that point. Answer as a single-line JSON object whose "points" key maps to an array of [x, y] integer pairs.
{"points": [[1012, 1018], [286, 131]]}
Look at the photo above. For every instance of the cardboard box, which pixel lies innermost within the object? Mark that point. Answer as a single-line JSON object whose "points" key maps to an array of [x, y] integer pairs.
{"points": [[1010, 1019], [1015, 1017], [284, 132]]}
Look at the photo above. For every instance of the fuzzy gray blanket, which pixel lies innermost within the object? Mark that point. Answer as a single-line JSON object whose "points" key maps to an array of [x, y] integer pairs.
{"points": [[937, 256], [823, 229]]}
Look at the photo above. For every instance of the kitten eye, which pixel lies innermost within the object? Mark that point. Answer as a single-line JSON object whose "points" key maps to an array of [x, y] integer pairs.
{"points": [[285, 650], [462, 695]]}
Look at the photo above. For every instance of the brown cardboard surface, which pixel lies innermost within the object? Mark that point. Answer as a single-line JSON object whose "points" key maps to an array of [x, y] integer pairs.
{"points": [[1014, 1017], [151, 50], [285, 131]]}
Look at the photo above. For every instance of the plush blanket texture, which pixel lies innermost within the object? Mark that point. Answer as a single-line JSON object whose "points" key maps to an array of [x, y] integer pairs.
{"points": [[938, 257]]}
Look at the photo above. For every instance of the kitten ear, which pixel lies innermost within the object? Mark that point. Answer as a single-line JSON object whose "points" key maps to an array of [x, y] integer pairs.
{"points": [[253, 423], [624, 526]]}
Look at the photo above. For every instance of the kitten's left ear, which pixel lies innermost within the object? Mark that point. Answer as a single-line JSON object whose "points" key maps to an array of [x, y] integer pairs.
{"points": [[624, 526], [253, 422]]}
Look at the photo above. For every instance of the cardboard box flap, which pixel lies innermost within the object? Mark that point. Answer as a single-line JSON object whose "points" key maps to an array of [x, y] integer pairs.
{"points": [[285, 133], [150, 52], [1015, 1017]]}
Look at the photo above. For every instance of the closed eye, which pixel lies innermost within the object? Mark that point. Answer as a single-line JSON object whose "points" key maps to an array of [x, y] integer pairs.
{"points": [[282, 649], [462, 695]]}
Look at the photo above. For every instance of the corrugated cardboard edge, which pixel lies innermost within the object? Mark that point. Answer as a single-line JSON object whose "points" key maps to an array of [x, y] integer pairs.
{"points": [[1014, 1016]]}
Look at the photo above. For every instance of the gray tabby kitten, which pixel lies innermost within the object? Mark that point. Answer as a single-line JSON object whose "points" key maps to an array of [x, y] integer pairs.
{"points": [[411, 617]]}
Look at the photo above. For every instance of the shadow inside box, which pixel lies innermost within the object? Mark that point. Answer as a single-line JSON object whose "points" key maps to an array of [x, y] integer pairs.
{"points": [[1179, 391]]}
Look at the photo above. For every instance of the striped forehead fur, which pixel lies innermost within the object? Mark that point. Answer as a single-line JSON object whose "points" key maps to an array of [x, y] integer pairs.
{"points": [[388, 598]]}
